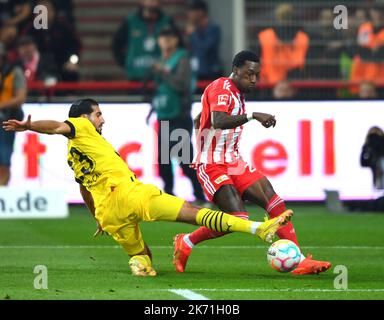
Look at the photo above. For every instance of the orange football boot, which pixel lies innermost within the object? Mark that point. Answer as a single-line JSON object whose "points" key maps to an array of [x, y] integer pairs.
{"points": [[309, 266], [181, 252]]}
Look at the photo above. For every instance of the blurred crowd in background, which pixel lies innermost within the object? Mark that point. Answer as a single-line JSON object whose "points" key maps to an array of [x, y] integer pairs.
{"points": [[116, 40], [174, 48]]}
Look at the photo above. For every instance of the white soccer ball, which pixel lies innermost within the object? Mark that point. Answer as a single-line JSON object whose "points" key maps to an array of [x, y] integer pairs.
{"points": [[283, 255]]}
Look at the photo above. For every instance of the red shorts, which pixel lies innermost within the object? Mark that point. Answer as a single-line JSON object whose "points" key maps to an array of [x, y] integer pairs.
{"points": [[239, 174]]}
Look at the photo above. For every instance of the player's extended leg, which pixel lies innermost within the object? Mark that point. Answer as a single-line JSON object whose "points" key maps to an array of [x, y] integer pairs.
{"points": [[161, 206], [170, 208], [261, 192], [130, 238], [228, 200], [223, 222]]}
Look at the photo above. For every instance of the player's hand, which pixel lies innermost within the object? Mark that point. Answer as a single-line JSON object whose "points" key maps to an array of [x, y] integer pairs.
{"points": [[99, 230], [267, 120], [15, 125]]}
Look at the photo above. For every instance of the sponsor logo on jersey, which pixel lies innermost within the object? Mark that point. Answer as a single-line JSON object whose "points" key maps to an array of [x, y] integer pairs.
{"points": [[222, 99], [221, 179]]}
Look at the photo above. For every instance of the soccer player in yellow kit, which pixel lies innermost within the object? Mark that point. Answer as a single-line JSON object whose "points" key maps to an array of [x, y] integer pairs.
{"points": [[117, 199]]}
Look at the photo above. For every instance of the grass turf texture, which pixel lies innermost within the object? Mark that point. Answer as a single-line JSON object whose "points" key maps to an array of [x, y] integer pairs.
{"points": [[233, 267]]}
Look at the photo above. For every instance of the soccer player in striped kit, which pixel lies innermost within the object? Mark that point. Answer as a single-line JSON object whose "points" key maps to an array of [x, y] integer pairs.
{"points": [[226, 178]]}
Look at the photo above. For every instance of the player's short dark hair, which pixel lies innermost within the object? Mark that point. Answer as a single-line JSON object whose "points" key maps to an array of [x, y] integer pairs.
{"points": [[242, 56], [82, 106], [199, 5]]}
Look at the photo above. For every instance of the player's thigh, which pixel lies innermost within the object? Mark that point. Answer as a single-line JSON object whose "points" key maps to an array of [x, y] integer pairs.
{"points": [[130, 238], [228, 199], [165, 207], [251, 184], [259, 192], [212, 177]]}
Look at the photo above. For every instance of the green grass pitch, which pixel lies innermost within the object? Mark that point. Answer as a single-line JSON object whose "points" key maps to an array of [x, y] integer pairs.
{"points": [[233, 267]]}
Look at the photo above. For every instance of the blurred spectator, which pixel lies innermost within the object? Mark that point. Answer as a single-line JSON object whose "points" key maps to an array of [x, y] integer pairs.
{"points": [[372, 155], [135, 43], [64, 10], [36, 66], [204, 41], [59, 40], [13, 93], [172, 104], [14, 15], [325, 48], [368, 64], [284, 91], [283, 48], [367, 90]]}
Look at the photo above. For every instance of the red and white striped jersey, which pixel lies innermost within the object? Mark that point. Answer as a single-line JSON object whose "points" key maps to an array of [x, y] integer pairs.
{"points": [[216, 145]]}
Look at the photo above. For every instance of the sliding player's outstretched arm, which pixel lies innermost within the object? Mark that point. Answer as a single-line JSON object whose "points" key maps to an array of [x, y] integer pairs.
{"points": [[41, 126]]}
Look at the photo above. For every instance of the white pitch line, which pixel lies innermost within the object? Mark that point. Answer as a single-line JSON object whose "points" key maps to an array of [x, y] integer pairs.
{"points": [[290, 290], [188, 294], [177, 291], [171, 247]]}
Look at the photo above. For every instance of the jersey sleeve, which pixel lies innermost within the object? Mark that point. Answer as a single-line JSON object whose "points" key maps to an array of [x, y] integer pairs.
{"points": [[79, 127], [219, 100]]}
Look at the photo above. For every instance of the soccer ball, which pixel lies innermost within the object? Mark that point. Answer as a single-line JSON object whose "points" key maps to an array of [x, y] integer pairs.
{"points": [[283, 255]]}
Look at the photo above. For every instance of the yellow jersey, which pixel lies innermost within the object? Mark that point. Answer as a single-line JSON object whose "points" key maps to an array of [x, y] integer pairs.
{"points": [[96, 165]]}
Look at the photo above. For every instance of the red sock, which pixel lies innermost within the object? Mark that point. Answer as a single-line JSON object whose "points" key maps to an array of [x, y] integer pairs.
{"points": [[203, 233], [275, 207]]}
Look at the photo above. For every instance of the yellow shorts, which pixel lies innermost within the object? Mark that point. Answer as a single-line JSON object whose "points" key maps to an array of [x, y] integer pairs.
{"points": [[128, 205]]}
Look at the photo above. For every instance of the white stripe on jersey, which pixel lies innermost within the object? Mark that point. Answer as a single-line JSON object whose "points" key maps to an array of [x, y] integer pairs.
{"points": [[229, 137], [207, 183], [207, 144]]}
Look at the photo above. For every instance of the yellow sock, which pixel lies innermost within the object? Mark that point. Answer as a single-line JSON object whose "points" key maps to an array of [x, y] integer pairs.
{"points": [[223, 222]]}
